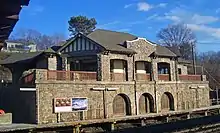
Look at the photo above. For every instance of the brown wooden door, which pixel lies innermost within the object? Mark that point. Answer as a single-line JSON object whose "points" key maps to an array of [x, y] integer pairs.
{"points": [[165, 102], [119, 106], [146, 104]]}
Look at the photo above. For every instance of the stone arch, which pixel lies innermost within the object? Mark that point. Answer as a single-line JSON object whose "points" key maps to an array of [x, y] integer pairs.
{"points": [[121, 105], [146, 103], [167, 102]]}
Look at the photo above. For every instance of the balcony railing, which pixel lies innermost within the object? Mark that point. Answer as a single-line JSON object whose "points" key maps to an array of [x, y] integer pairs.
{"points": [[143, 77], [71, 75], [190, 77], [164, 77], [118, 77], [28, 79]]}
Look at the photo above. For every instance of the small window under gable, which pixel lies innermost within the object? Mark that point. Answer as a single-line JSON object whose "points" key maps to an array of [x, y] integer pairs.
{"points": [[179, 71]]}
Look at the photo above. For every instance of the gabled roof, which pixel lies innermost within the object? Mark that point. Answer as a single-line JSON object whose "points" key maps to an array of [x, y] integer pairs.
{"points": [[69, 41], [19, 57], [163, 51], [108, 40], [184, 61], [175, 50], [112, 40]]}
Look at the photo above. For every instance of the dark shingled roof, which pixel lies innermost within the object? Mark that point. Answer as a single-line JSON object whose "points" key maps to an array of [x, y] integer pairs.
{"points": [[4, 55], [163, 51], [111, 40], [9, 10], [19, 57], [175, 50]]}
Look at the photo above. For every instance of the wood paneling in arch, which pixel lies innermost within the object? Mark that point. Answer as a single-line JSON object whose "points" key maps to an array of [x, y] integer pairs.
{"points": [[121, 105], [146, 104], [167, 102]]}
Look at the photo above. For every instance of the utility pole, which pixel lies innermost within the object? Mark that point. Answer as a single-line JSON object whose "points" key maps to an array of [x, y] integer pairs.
{"points": [[194, 58], [217, 101]]}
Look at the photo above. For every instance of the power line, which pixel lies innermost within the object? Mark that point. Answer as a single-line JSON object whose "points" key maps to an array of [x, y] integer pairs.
{"points": [[208, 42]]}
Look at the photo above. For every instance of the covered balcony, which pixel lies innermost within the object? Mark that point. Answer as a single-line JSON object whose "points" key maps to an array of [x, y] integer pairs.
{"points": [[163, 71], [143, 71], [78, 68], [118, 70], [71, 75]]}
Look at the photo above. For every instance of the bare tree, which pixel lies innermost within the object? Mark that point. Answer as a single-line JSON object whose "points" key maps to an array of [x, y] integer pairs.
{"points": [[30, 36], [211, 62], [179, 36]]}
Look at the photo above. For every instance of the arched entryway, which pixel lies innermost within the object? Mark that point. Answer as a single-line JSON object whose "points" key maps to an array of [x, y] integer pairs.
{"points": [[121, 105], [146, 103], [167, 102]]}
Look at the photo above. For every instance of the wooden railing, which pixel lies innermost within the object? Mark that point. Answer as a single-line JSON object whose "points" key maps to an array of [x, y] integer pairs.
{"points": [[190, 77], [143, 77], [118, 77], [71, 75], [164, 77]]}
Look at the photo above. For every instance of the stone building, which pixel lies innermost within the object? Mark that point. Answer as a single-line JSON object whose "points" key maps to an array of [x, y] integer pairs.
{"points": [[120, 74]]}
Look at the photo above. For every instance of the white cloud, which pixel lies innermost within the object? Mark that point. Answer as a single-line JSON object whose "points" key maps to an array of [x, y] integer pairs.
{"points": [[144, 6], [215, 32], [152, 16], [181, 15], [109, 24], [199, 19], [128, 5], [162, 5], [135, 22], [199, 23]]}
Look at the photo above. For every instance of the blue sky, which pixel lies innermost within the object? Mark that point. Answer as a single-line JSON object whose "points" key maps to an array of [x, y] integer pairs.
{"points": [[140, 17]]}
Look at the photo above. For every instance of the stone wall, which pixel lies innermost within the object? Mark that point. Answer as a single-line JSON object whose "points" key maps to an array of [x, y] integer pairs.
{"points": [[143, 48], [47, 91], [185, 94]]}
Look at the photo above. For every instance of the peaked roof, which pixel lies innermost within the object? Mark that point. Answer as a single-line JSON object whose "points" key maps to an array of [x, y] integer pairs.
{"points": [[175, 50], [19, 57], [112, 40], [163, 51]]}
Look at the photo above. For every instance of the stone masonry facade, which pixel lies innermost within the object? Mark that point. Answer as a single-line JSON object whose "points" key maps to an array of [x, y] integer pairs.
{"points": [[186, 94]]}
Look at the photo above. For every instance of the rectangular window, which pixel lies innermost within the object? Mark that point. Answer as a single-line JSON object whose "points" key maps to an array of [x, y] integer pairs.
{"points": [[179, 71]]}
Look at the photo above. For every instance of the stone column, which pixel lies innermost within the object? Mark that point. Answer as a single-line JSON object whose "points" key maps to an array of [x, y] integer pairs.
{"points": [[172, 70], [154, 70], [130, 65], [104, 67], [99, 67], [41, 74], [64, 63], [52, 63]]}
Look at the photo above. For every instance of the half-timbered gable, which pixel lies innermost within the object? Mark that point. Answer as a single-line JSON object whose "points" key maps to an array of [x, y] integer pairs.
{"points": [[81, 44]]}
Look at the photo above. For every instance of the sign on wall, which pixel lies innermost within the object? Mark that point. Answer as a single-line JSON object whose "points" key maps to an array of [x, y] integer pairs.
{"points": [[79, 104], [70, 104], [62, 105]]}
